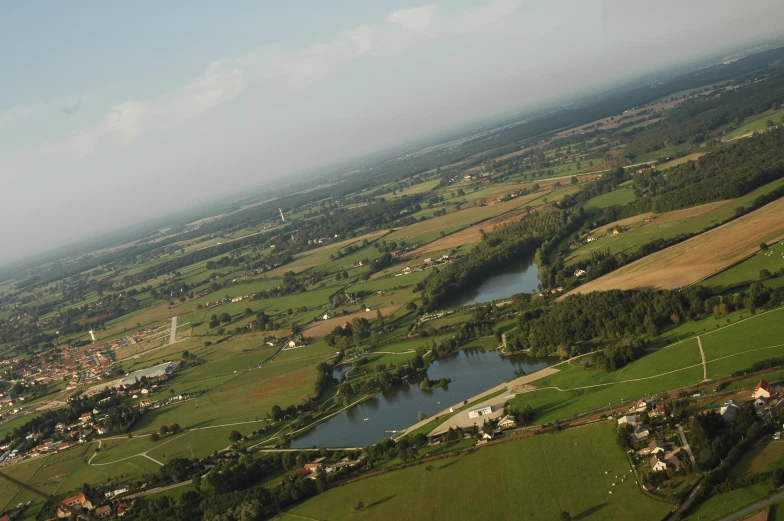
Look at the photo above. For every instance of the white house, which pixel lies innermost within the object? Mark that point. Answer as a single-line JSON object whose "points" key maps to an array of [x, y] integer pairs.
{"points": [[579, 273], [482, 411], [326, 316], [631, 420], [507, 422], [658, 465], [641, 406]]}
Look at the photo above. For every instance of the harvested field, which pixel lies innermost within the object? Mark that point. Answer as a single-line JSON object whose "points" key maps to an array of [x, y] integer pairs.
{"points": [[690, 212], [685, 159], [623, 223], [323, 327], [467, 236], [696, 259]]}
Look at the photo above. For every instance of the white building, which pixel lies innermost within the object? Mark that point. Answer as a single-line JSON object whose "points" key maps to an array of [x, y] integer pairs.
{"points": [[482, 411]]}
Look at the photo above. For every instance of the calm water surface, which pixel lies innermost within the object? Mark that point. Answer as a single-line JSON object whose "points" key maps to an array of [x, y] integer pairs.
{"points": [[522, 278], [472, 370]]}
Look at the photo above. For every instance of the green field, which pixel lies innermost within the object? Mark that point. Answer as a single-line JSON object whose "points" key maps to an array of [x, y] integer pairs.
{"points": [[623, 195], [573, 389], [534, 478], [719, 506], [743, 343], [742, 275], [760, 123]]}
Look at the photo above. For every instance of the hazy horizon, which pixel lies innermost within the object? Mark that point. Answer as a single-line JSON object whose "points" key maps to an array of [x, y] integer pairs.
{"points": [[113, 114]]}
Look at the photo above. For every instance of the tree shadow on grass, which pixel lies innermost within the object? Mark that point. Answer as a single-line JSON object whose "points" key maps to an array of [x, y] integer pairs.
{"points": [[376, 503], [442, 467], [592, 510]]}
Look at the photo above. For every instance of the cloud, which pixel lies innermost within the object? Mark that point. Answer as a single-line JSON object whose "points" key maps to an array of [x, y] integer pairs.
{"points": [[127, 121], [414, 19], [486, 14], [20, 113], [270, 70]]}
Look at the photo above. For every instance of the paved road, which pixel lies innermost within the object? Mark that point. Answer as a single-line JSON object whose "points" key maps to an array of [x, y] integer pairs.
{"points": [[173, 332], [686, 447], [759, 505]]}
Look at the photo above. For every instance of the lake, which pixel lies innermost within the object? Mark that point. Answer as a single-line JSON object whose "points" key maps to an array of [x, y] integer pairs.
{"points": [[520, 278], [472, 370]]}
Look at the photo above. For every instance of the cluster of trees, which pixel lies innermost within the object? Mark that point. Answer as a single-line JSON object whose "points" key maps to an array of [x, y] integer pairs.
{"points": [[617, 355]]}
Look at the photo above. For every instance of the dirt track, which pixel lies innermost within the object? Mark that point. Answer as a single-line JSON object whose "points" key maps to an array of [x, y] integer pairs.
{"points": [[695, 259]]}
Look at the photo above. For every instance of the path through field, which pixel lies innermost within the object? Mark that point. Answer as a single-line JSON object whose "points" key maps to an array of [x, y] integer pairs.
{"points": [[704, 365], [173, 332]]}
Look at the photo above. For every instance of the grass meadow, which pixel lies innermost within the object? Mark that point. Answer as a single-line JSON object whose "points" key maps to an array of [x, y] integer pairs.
{"points": [[535, 478]]}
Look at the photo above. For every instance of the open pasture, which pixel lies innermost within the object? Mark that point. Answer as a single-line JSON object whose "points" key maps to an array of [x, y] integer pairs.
{"points": [[747, 272], [534, 478]]}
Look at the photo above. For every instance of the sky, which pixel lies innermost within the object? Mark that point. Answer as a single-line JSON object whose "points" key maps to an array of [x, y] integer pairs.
{"points": [[115, 112]]}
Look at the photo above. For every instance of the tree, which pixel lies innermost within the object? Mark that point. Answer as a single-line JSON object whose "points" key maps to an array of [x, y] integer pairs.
{"points": [[164, 430], [277, 413], [565, 516], [359, 506], [411, 306], [235, 436], [154, 436], [225, 318], [380, 318], [422, 415]]}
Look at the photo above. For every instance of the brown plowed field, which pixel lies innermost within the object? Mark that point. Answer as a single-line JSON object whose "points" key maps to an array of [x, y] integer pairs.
{"points": [[699, 257], [468, 236]]}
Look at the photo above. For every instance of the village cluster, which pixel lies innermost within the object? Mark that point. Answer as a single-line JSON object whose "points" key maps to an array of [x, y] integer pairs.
{"points": [[136, 385]]}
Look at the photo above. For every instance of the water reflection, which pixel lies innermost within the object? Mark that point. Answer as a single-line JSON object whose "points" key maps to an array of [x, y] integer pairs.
{"points": [[472, 370], [521, 278]]}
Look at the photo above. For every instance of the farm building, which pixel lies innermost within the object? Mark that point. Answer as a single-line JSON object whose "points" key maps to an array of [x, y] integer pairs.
{"points": [[631, 420]]}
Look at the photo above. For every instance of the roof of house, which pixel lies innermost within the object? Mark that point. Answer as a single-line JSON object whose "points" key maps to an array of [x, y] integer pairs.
{"points": [[81, 498], [764, 385], [103, 509], [654, 444]]}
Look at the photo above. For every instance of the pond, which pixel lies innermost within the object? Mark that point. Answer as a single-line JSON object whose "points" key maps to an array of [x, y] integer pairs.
{"points": [[472, 370], [519, 278]]}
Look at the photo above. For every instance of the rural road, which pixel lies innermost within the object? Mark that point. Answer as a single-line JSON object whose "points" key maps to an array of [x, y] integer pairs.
{"points": [[159, 489], [173, 332], [704, 365], [686, 447], [759, 505], [686, 504]]}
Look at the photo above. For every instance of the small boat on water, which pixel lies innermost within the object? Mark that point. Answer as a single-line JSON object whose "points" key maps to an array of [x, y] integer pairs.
{"points": [[366, 419]]}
